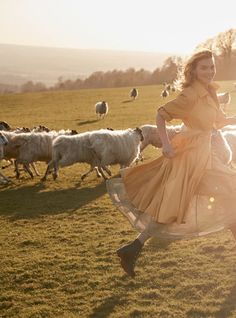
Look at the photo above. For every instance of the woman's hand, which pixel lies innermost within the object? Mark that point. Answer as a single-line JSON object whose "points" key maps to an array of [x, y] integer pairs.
{"points": [[168, 150]]}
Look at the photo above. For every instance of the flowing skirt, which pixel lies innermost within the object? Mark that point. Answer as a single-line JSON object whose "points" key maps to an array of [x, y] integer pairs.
{"points": [[191, 195]]}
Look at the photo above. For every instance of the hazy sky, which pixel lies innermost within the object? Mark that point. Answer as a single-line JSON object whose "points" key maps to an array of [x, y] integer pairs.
{"points": [[176, 26]]}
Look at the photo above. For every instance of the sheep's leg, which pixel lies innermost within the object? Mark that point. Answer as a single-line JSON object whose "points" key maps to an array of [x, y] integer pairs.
{"points": [[102, 172], [97, 172], [140, 158], [27, 168], [33, 165], [48, 170], [17, 169], [55, 173], [107, 170], [87, 173]]}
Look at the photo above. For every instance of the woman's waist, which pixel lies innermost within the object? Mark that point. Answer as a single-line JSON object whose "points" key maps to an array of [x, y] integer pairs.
{"points": [[195, 130]]}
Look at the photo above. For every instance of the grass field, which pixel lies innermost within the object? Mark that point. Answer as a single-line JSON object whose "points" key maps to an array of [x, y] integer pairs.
{"points": [[58, 239]]}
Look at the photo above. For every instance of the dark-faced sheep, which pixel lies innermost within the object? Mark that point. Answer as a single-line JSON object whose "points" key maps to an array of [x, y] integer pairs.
{"points": [[101, 109], [164, 93], [134, 93]]}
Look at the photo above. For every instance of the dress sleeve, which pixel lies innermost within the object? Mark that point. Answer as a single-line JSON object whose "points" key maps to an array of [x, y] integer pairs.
{"points": [[179, 107]]}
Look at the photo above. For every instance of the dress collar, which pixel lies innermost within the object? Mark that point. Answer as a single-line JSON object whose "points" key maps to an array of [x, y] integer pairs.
{"points": [[201, 90]]}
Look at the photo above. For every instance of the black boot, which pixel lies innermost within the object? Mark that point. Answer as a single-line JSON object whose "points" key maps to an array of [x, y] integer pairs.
{"points": [[128, 255]]}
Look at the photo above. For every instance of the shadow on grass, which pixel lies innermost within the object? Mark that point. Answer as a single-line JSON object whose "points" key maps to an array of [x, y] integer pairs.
{"points": [[106, 308], [127, 101], [87, 122], [32, 201], [229, 305]]}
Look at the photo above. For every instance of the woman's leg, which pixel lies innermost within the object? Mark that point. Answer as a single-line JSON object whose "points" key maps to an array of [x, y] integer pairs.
{"points": [[129, 253]]}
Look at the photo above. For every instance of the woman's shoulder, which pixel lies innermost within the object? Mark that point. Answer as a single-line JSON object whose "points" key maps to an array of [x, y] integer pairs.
{"points": [[189, 92]]}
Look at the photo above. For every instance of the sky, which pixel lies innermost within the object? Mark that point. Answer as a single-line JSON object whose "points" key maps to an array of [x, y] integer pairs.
{"points": [[173, 26]]}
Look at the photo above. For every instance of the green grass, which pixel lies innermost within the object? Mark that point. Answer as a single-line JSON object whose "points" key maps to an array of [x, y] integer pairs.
{"points": [[58, 239]]}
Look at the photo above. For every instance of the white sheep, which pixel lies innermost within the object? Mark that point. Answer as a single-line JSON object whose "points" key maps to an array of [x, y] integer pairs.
{"points": [[97, 148], [101, 109], [68, 150], [230, 137], [117, 146], [151, 135], [221, 146], [28, 148], [3, 142], [165, 93], [224, 99]]}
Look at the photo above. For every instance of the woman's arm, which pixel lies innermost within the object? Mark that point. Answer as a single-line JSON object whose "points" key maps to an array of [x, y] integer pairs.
{"points": [[167, 148]]}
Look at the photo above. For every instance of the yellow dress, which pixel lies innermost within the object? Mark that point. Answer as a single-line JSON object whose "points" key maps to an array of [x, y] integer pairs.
{"points": [[191, 194]]}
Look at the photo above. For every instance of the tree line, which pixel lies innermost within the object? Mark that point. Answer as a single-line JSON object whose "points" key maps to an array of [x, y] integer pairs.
{"points": [[223, 45]]}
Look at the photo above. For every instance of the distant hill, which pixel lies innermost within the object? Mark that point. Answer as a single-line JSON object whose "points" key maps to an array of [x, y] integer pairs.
{"points": [[19, 63]]}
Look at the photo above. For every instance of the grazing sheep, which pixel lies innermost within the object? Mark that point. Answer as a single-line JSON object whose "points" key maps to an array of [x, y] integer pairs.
{"points": [[97, 148], [4, 126], [3, 142], [40, 128], [224, 99], [164, 93], [101, 109], [68, 150], [168, 87], [28, 148], [117, 146], [134, 93], [151, 135]]}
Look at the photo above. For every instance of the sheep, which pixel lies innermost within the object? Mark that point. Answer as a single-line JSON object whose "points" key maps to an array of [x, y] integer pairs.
{"points": [[117, 147], [3, 142], [134, 93], [151, 135], [230, 137], [168, 87], [4, 126], [97, 148], [67, 150], [164, 93], [221, 146], [101, 109], [224, 99], [31, 147], [40, 128]]}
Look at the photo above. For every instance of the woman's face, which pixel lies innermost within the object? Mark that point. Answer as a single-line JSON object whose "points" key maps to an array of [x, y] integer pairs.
{"points": [[205, 70]]}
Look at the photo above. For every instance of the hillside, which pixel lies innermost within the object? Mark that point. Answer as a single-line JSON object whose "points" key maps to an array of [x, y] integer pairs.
{"points": [[19, 64], [58, 238]]}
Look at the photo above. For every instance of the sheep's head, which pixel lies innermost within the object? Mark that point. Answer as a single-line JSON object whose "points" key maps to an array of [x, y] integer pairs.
{"points": [[139, 131], [4, 126], [74, 132]]}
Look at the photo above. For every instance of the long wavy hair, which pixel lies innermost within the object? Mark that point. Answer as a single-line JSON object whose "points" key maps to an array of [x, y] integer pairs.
{"points": [[186, 74]]}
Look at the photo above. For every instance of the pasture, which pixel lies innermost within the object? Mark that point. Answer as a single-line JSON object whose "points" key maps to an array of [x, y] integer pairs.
{"points": [[58, 238]]}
